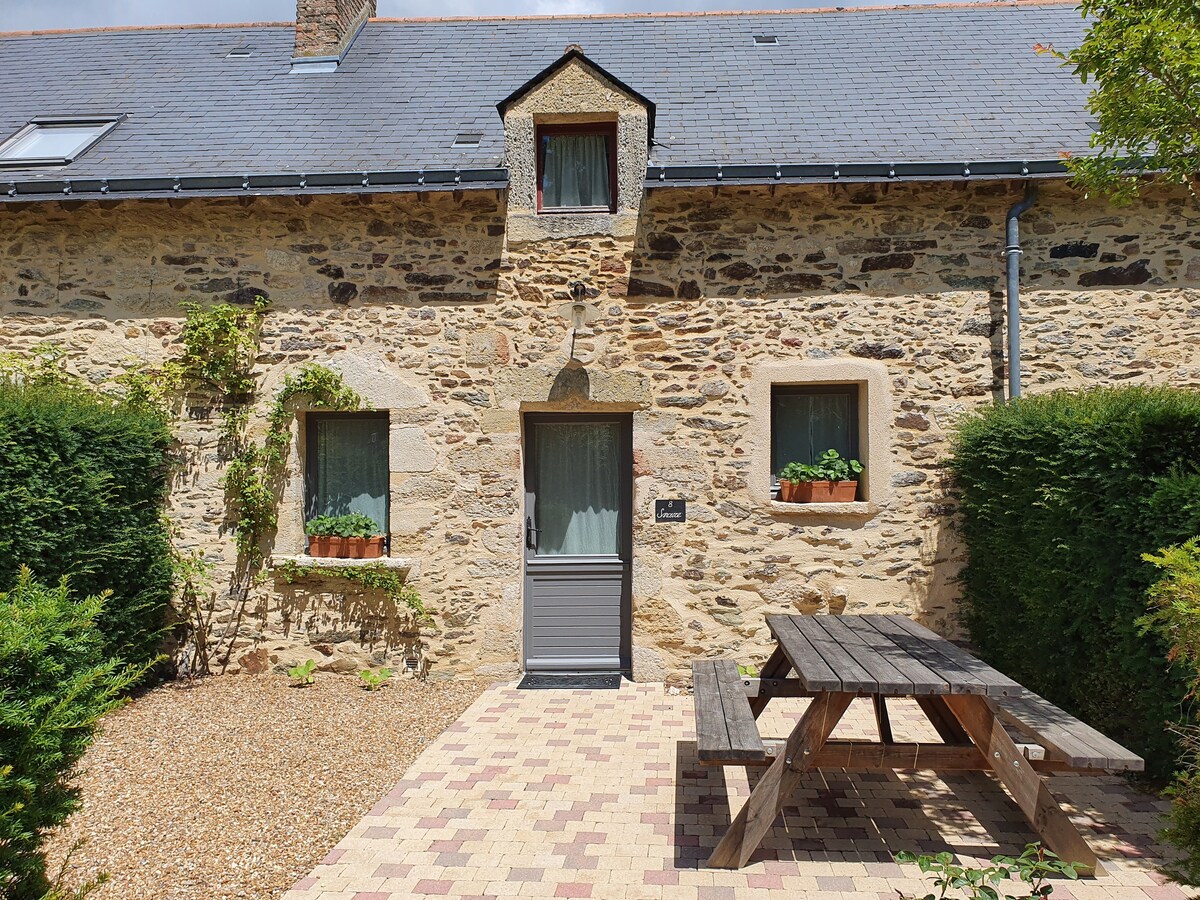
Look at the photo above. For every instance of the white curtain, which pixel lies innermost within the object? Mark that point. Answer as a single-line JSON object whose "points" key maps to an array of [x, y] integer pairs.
{"points": [[806, 425], [578, 481], [352, 468], [576, 171]]}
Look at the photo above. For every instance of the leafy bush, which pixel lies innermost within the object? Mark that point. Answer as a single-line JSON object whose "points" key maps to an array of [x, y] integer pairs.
{"points": [[347, 526], [56, 681], [830, 467], [83, 487], [1034, 867], [1061, 495], [1175, 614]]}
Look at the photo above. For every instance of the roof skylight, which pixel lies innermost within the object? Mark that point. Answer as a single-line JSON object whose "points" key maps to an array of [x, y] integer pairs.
{"points": [[467, 140], [239, 52], [766, 39], [52, 142]]}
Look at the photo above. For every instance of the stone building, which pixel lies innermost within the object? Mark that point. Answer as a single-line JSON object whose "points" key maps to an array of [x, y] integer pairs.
{"points": [[597, 278]]}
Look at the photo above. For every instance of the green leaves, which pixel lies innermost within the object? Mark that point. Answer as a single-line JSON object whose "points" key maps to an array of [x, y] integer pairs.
{"points": [[1060, 495], [56, 681], [305, 673], [374, 680], [1033, 867], [1144, 58], [373, 575], [346, 526], [829, 467]]}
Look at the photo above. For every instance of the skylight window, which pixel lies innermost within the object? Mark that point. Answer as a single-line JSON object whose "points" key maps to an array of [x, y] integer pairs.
{"points": [[468, 140], [52, 142], [239, 52], [766, 39]]}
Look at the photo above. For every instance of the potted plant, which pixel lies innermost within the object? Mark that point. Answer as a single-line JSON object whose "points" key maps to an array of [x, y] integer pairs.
{"points": [[830, 479], [352, 536]]}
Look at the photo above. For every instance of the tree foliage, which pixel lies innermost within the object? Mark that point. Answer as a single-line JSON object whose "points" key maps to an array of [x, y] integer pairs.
{"points": [[1144, 58]]}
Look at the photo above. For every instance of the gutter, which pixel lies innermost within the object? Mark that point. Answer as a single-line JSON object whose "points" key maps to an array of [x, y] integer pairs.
{"points": [[1012, 254], [276, 184], [832, 173]]}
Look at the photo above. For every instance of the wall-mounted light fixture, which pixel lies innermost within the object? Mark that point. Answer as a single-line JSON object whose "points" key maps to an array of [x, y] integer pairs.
{"points": [[578, 312]]}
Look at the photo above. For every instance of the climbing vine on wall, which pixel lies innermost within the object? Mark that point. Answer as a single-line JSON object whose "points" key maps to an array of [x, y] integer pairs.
{"points": [[378, 577]]}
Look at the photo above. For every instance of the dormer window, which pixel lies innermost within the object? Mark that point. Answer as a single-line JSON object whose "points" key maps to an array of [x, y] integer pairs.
{"points": [[577, 168]]}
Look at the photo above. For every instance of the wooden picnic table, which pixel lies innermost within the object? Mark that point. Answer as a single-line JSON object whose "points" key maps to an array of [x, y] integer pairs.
{"points": [[972, 706]]}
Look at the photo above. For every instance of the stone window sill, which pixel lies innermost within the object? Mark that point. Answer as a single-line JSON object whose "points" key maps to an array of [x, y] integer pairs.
{"points": [[854, 508], [408, 565]]}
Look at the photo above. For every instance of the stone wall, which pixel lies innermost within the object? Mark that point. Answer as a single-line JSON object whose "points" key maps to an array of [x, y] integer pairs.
{"points": [[437, 315]]}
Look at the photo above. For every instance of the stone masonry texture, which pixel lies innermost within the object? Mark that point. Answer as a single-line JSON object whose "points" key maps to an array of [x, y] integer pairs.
{"points": [[427, 305]]}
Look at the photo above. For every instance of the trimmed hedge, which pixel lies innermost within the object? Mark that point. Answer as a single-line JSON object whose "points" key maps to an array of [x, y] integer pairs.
{"points": [[83, 482], [1061, 495]]}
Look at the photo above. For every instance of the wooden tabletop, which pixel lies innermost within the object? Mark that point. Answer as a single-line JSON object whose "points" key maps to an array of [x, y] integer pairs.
{"points": [[888, 655]]}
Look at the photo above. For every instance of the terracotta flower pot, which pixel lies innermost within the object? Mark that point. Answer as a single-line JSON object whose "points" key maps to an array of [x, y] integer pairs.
{"points": [[824, 491], [345, 548], [787, 491], [364, 548]]}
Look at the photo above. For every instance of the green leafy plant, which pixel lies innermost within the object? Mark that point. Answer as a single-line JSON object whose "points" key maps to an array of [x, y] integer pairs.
{"points": [[375, 576], [56, 681], [373, 680], [1175, 615], [41, 365], [1144, 58], [1034, 867], [252, 477], [304, 674], [829, 467], [84, 482], [748, 671], [1060, 494], [346, 526]]}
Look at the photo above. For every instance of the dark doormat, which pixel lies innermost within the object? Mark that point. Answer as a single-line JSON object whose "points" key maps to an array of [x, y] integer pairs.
{"points": [[564, 682]]}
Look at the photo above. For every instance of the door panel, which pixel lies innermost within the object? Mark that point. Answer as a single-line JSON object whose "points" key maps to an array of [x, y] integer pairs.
{"points": [[578, 508]]}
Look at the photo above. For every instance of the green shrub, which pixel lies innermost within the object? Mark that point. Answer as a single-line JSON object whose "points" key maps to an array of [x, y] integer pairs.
{"points": [[83, 485], [1175, 614], [1061, 495], [56, 681]]}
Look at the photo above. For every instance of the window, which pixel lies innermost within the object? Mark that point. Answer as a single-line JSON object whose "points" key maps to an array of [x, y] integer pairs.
{"points": [[52, 142], [577, 168], [347, 466], [807, 420]]}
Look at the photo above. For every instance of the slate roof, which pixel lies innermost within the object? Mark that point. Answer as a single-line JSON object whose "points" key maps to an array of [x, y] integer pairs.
{"points": [[909, 85]]}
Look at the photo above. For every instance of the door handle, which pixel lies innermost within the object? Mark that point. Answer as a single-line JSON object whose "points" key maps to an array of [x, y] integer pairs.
{"points": [[531, 533]]}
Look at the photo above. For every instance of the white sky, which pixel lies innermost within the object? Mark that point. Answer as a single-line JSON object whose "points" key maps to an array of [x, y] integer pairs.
{"points": [[17, 15]]}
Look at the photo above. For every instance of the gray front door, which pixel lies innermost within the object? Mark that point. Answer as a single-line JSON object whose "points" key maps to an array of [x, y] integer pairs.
{"points": [[578, 514]]}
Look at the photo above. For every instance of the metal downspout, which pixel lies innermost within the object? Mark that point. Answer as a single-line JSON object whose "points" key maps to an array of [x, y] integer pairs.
{"points": [[1012, 253]]}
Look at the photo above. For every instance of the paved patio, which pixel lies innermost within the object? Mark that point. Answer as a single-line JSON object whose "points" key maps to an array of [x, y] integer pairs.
{"points": [[598, 794]]}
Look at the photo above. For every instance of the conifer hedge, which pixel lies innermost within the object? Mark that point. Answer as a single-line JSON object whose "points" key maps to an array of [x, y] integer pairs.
{"points": [[1061, 496], [83, 482]]}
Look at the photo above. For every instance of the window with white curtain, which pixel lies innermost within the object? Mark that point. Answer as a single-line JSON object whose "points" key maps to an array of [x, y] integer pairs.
{"points": [[807, 420], [346, 468], [576, 165]]}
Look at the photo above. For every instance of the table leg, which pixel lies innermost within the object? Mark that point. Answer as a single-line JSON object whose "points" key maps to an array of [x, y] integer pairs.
{"points": [[882, 722], [942, 719], [775, 667], [1026, 786], [780, 781]]}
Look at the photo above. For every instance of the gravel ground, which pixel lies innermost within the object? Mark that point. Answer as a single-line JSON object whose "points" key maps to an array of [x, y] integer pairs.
{"points": [[237, 786]]}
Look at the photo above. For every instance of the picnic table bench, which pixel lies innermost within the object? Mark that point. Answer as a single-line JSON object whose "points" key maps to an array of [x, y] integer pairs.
{"points": [[986, 722]]}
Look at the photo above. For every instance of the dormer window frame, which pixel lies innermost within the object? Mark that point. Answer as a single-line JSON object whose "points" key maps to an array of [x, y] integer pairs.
{"points": [[607, 129]]}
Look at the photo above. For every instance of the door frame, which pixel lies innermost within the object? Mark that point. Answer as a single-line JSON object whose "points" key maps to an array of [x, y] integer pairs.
{"points": [[582, 564]]}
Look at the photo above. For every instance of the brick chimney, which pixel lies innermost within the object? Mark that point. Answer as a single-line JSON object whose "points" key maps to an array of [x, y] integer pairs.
{"points": [[324, 28]]}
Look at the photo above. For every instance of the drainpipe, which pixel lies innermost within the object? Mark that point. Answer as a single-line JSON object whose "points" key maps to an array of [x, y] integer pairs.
{"points": [[1012, 253]]}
